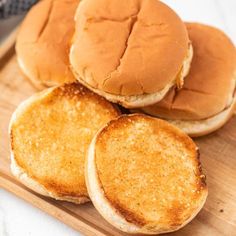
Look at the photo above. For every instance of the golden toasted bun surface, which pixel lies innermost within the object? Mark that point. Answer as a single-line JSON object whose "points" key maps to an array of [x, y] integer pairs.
{"points": [[50, 134], [128, 47], [150, 173], [43, 42], [209, 86]]}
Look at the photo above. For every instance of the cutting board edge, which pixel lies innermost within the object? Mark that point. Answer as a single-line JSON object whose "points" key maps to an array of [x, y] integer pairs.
{"points": [[56, 210]]}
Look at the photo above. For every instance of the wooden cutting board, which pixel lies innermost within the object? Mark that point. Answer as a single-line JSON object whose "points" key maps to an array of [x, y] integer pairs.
{"points": [[218, 155]]}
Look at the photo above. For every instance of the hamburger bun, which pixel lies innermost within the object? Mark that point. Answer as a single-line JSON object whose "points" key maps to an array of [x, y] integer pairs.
{"points": [[43, 42], [206, 100], [144, 175], [203, 127], [50, 134], [130, 52]]}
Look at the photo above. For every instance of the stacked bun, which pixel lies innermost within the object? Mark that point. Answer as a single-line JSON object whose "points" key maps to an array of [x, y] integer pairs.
{"points": [[132, 58], [207, 99], [43, 42], [70, 143]]}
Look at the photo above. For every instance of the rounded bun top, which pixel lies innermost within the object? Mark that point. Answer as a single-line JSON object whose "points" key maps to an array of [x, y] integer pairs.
{"points": [[210, 84], [43, 42], [128, 47]]}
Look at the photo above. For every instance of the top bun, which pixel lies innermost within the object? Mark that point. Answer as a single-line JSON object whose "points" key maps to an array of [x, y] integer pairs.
{"points": [[129, 50], [43, 42], [210, 84]]}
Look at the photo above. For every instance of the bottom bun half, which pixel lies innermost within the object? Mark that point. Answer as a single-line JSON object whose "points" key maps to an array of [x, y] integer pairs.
{"points": [[98, 198], [29, 182], [109, 212], [197, 128]]}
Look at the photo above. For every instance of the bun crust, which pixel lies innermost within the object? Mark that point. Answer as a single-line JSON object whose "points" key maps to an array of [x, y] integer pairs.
{"points": [[47, 155], [134, 101], [210, 84], [197, 128], [43, 42], [138, 184], [128, 54]]}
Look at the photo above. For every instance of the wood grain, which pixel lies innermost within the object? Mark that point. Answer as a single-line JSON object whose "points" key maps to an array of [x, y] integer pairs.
{"points": [[8, 44], [218, 155]]}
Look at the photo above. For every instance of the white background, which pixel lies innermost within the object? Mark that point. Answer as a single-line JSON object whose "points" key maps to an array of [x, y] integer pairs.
{"points": [[18, 218]]}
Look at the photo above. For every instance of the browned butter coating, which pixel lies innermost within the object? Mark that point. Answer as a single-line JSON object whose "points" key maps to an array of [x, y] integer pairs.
{"points": [[150, 172], [50, 137]]}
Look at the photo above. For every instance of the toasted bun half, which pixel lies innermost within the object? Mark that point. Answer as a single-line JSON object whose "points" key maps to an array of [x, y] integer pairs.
{"points": [[209, 88], [50, 134], [144, 175], [130, 52], [43, 42]]}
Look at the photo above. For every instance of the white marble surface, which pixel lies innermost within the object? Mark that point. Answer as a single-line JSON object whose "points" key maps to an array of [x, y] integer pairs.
{"points": [[18, 218], [218, 13]]}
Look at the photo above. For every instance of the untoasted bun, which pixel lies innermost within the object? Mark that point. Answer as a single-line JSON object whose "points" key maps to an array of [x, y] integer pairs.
{"points": [[43, 42], [196, 128], [130, 52], [144, 175], [50, 133], [209, 87]]}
